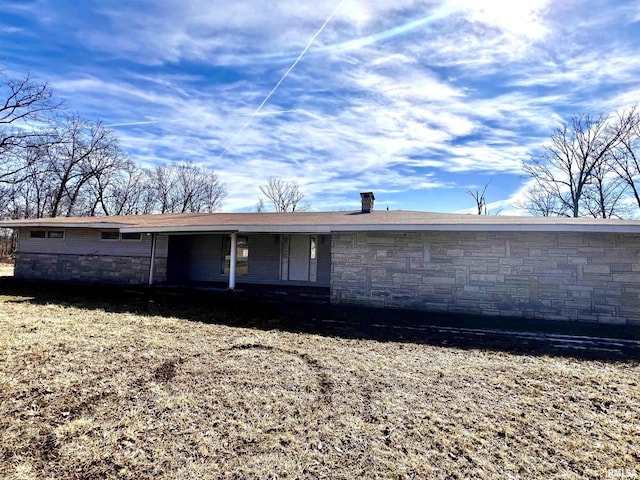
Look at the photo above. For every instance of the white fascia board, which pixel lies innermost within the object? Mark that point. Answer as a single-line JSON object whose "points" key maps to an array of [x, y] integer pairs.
{"points": [[490, 228], [287, 229], [178, 230], [231, 228], [579, 228]]}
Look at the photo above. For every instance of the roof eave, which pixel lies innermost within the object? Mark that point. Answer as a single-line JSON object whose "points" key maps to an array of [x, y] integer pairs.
{"points": [[478, 227], [229, 228], [577, 228], [47, 224]]}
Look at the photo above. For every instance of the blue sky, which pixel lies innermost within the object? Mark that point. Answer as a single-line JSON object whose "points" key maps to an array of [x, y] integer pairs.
{"points": [[418, 101]]}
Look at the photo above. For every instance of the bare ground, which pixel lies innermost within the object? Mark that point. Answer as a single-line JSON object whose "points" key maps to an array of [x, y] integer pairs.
{"points": [[6, 269], [90, 391]]}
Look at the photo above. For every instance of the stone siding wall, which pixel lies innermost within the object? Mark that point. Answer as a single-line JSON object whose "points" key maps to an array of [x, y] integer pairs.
{"points": [[89, 268], [563, 276]]}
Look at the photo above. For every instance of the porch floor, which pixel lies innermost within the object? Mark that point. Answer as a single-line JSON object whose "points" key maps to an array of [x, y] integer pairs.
{"points": [[295, 293]]}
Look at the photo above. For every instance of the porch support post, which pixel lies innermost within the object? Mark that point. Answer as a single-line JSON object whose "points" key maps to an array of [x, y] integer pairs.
{"points": [[233, 261], [152, 265]]}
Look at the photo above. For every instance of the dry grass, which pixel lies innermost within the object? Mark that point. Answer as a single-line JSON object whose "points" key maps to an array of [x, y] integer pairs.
{"points": [[6, 269], [87, 393]]}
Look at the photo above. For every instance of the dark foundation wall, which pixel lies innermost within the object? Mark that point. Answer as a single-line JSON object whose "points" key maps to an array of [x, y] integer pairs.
{"points": [[560, 276], [122, 270]]}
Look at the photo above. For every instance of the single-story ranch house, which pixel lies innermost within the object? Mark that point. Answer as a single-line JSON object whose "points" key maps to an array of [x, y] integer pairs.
{"points": [[553, 268]]}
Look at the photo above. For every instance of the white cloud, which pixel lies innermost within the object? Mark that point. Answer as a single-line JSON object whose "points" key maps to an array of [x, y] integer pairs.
{"points": [[518, 18], [402, 116], [394, 96], [585, 70]]}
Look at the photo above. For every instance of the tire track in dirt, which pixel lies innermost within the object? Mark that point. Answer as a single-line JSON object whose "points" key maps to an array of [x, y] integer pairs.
{"points": [[324, 382]]}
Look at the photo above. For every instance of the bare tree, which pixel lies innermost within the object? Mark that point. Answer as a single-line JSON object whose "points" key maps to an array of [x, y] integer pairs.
{"points": [[147, 199], [119, 191], [63, 166], [6, 202], [537, 201], [29, 188], [568, 164], [185, 187], [21, 101], [625, 159], [285, 196], [480, 199], [214, 191], [60, 178], [260, 205], [24, 104], [161, 185], [196, 189], [82, 152], [604, 194]]}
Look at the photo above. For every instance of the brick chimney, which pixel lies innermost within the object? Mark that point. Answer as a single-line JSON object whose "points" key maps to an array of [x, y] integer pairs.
{"points": [[367, 201]]}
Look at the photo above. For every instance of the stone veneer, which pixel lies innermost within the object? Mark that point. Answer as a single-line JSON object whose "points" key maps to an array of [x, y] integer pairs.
{"points": [[89, 268], [562, 276]]}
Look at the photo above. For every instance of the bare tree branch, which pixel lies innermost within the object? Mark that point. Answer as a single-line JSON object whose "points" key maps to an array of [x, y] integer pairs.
{"points": [[23, 102], [185, 188], [625, 159], [285, 196], [480, 199], [567, 167]]}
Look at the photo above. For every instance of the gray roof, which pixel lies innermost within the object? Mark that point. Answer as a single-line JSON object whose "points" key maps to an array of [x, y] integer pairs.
{"points": [[325, 222]]}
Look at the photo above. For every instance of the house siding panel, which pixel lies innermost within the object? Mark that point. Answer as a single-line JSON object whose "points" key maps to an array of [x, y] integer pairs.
{"points": [[324, 261], [264, 259], [84, 241], [563, 276], [204, 258]]}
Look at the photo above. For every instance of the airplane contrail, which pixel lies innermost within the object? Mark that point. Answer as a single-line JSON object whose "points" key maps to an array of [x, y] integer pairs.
{"points": [[275, 112], [266, 99], [357, 43]]}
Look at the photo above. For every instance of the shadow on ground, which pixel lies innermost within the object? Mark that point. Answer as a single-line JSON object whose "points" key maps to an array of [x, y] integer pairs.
{"points": [[294, 313]]}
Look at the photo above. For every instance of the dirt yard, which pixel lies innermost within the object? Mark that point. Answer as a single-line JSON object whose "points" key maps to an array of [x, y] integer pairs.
{"points": [[129, 389]]}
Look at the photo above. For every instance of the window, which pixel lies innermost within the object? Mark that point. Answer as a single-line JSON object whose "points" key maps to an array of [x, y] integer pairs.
{"points": [[312, 249], [131, 236], [242, 256], [59, 234], [120, 236]]}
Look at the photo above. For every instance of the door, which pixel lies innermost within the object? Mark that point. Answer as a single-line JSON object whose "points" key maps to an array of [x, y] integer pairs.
{"points": [[299, 255]]}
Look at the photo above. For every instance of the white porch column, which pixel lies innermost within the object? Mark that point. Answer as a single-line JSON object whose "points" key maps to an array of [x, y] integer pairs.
{"points": [[152, 266], [233, 261]]}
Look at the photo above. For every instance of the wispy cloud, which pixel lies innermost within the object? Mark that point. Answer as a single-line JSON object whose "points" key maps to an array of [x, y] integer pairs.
{"points": [[405, 98]]}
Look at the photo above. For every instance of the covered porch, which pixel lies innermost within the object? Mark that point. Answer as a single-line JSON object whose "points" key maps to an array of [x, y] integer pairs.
{"points": [[250, 261]]}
